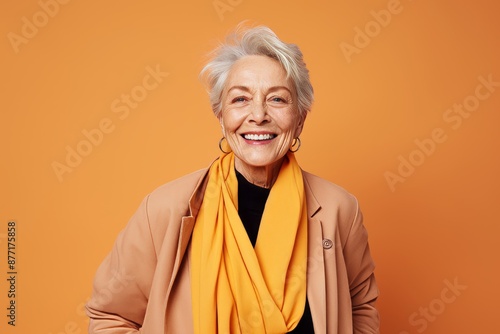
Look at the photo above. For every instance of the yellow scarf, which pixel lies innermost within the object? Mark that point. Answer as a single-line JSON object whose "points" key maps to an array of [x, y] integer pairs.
{"points": [[237, 288]]}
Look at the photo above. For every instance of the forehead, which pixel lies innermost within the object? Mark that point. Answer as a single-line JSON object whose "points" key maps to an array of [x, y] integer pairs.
{"points": [[257, 72]]}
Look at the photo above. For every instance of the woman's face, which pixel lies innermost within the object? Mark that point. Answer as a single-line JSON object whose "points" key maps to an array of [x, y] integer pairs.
{"points": [[259, 117]]}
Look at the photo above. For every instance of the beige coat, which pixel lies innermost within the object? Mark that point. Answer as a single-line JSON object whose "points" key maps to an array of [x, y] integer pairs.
{"points": [[143, 285]]}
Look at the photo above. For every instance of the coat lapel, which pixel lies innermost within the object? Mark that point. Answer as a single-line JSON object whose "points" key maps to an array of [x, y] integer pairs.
{"points": [[185, 232], [186, 228], [316, 285]]}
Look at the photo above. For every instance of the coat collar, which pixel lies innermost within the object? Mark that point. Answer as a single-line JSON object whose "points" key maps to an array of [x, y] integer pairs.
{"points": [[196, 199], [316, 284], [312, 203]]}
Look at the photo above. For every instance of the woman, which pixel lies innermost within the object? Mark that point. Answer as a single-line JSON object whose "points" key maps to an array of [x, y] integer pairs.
{"points": [[252, 244]]}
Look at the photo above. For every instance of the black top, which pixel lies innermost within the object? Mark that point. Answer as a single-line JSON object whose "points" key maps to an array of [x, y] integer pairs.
{"points": [[251, 203]]}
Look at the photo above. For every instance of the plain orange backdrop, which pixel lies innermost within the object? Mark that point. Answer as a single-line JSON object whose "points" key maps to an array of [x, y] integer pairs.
{"points": [[65, 67]]}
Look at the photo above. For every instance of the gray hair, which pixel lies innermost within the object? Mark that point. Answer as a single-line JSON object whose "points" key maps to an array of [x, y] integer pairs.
{"points": [[257, 41]]}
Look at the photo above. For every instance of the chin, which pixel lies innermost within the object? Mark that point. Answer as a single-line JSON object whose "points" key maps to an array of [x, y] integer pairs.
{"points": [[260, 161]]}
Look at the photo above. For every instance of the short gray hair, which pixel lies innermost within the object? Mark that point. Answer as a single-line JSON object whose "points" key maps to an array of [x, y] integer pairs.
{"points": [[263, 41]]}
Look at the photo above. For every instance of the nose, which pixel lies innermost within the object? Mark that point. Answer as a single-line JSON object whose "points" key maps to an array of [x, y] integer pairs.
{"points": [[258, 113]]}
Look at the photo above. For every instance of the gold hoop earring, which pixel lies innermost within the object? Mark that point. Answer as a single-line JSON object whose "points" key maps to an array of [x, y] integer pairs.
{"points": [[296, 141], [220, 145]]}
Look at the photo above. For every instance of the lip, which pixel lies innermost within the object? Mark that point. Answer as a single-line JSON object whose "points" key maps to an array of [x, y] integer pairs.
{"points": [[258, 133]]}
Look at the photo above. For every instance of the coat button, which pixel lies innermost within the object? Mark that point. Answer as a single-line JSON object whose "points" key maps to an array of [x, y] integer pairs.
{"points": [[327, 243]]}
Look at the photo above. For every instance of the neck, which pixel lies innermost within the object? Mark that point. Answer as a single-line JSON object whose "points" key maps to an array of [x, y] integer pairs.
{"points": [[262, 176]]}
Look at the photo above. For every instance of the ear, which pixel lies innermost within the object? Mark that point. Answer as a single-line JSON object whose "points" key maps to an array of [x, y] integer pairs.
{"points": [[300, 126], [222, 126]]}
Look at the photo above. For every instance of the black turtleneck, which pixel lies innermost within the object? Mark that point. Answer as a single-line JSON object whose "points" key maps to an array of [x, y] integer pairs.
{"points": [[251, 203]]}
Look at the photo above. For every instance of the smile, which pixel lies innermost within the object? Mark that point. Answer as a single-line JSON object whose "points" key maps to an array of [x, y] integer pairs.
{"points": [[267, 136]]}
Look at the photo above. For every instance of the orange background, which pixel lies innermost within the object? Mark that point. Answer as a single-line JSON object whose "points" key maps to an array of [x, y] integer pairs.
{"points": [[439, 225]]}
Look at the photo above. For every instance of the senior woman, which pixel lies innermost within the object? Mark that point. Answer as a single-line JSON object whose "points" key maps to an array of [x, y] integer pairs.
{"points": [[252, 244]]}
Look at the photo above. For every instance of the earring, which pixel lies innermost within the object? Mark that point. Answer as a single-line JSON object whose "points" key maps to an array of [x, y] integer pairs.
{"points": [[296, 141], [220, 145]]}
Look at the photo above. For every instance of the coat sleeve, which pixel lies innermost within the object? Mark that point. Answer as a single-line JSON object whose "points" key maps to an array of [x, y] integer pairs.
{"points": [[360, 271], [123, 280]]}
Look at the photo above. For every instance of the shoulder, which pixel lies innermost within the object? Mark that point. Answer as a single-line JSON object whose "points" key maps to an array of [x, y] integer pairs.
{"points": [[180, 188], [170, 201], [334, 204], [328, 193]]}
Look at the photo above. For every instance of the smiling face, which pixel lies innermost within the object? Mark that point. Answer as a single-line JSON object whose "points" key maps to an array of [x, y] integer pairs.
{"points": [[259, 116]]}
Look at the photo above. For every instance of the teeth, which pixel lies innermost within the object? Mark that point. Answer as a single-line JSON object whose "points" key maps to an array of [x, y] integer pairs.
{"points": [[258, 137]]}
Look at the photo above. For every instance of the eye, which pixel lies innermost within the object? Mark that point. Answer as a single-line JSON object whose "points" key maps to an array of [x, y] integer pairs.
{"points": [[277, 99], [239, 99]]}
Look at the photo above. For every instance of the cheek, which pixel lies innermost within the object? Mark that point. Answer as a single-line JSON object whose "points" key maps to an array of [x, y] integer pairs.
{"points": [[225, 122], [226, 126], [230, 122], [294, 128], [297, 127]]}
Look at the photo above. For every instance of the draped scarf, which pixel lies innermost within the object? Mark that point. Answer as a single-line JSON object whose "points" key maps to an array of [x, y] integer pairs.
{"points": [[235, 287]]}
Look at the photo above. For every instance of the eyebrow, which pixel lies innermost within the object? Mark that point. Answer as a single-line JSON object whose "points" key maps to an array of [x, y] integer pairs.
{"points": [[270, 89]]}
